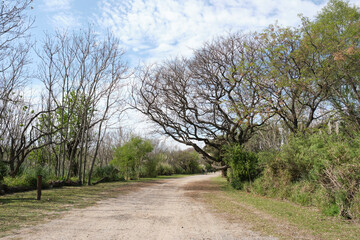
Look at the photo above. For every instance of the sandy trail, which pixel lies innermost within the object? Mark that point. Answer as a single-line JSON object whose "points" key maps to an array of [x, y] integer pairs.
{"points": [[162, 210]]}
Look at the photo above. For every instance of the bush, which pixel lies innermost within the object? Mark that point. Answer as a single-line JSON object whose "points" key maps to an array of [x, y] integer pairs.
{"points": [[109, 172], [28, 178], [186, 162], [178, 170], [149, 166], [193, 167], [165, 169], [317, 169], [244, 165]]}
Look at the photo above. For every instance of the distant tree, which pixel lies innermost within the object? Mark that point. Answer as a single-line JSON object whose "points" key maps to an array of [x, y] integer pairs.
{"points": [[129, 157], [188, 160]]}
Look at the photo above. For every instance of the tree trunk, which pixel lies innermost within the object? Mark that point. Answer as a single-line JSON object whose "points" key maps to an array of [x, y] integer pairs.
{"points": [[85, 155], [224, 172], [95, 154]]}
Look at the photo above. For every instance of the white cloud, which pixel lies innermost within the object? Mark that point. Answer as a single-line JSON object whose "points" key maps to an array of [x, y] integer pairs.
{"points": [[65, 20], [61, 13], [174, 27], [57, 5]]}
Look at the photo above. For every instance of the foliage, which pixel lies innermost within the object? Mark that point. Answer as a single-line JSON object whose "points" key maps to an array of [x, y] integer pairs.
{"points": [[150, 165], [186, 161], [316, 169], [129, 157], [243, 165], [334, 37], [165, 169], [109, 172], [28, 178]]}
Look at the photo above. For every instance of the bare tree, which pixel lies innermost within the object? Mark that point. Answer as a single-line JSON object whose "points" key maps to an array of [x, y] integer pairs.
{"points": [[83, 75], [14, 47], [20, 134]]}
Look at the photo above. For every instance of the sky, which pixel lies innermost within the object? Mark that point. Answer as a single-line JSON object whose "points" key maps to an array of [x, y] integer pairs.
{"points": [[151, 30], [155, 30]]}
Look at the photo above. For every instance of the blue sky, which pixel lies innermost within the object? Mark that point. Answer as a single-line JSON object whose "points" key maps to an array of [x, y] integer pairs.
{"points": [[151, 30]]}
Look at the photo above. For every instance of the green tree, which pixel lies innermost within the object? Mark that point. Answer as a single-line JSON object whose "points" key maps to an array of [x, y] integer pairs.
{"points": [[187, 160], [129, 157], [334, 35], [244, 165], [292, 78]]}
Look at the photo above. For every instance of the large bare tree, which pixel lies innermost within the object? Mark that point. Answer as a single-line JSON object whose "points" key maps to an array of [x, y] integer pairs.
{"points": [[211, 99]]}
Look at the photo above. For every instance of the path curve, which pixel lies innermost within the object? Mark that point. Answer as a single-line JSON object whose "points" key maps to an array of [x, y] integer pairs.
{"points": [[162, 210]]}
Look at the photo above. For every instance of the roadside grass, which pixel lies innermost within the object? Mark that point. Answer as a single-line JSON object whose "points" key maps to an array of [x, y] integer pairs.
{"points": [[278, 218], [162, 177], [22, 209]]}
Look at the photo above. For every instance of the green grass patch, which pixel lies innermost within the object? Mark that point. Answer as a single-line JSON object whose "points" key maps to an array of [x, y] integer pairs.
{"points": [[282, 219], [22, 209]]}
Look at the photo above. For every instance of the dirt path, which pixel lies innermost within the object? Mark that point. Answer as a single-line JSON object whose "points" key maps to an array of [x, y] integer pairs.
{"points": [[162, 210]]}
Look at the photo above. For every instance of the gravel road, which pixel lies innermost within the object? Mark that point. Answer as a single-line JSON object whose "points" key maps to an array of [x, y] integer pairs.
{"points": [[162, 210]]}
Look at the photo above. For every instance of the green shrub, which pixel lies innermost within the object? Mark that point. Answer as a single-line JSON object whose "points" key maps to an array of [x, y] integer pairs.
{"points": [[149, 167], [165, 169], [257, 187], [193, 166], [109, 172], [28, 178], [129, 157], [178, 170], [315, 169], [302, 192], [244, 165]]}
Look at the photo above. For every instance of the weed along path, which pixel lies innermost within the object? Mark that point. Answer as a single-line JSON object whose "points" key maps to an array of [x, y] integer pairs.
{"points": [[164, 209]]}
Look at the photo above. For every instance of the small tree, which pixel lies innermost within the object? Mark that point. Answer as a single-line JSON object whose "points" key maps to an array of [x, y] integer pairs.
{"points": [[243, 165], [128, 157]]}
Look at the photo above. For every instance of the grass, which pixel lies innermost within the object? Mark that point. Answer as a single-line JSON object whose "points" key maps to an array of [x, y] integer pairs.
{"points": [[164, 177], [22, 209], [279, 218]]}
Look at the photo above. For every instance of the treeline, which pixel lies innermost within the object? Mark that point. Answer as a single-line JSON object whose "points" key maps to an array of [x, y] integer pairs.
{"points": [[278, 110], [139, 158]]}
